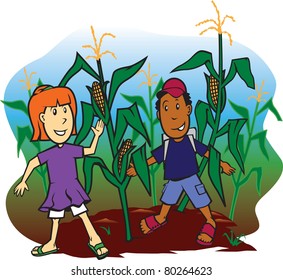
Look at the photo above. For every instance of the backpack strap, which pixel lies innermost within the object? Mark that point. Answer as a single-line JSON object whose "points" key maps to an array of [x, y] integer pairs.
{"points": [[165, 140], [191, 135]]}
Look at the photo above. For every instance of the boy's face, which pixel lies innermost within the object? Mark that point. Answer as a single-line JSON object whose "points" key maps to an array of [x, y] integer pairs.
{"points": [[58, 123], [174, 116]]}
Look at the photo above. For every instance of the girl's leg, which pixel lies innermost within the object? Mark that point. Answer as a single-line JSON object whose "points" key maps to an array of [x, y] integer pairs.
{"points": [[51, 244], [94, 238]]}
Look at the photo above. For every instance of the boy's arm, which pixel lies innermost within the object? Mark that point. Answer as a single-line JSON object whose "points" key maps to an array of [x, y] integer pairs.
{"points": [[22, 186], [132, 171], [151, 161], [97, 130], [226, 167]]}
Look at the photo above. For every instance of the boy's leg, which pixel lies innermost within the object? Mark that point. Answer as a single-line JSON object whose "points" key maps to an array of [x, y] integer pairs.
{"points": [[209, 220], [51, 244], [94, 238], [160, 218], [195, 190], [170, 195]]}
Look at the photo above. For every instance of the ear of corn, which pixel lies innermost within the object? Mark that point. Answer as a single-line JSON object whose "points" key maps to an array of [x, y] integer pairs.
{"points": [[214, 90], [213, 93], [121, 160], [98, 96], [124, 148]]}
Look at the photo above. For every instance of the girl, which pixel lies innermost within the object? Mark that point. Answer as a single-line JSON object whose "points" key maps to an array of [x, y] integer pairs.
{"points": [[52, 112]]}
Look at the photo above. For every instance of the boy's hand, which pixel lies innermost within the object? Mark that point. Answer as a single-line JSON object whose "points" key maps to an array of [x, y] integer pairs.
{"points": [[98, 129], [131, 171], [20, 189], [227, 168]]}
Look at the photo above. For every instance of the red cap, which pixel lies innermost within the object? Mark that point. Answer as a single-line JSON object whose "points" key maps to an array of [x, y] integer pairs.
{"points": [[175, 87]]}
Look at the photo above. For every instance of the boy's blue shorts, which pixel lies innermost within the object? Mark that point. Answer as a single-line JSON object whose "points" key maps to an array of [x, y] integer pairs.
{"points": [[192, 186]]}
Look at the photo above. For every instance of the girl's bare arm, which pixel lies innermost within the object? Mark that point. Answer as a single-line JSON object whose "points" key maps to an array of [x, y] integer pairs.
{"points": [[97, 130], [22, 186]]}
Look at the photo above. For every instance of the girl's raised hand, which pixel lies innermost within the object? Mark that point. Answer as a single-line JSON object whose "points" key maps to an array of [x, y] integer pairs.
{"points": [[99, 127], [20, 189]]}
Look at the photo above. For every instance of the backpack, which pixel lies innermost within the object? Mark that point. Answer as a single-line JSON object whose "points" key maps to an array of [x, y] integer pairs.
{"points": [[191, 134]]}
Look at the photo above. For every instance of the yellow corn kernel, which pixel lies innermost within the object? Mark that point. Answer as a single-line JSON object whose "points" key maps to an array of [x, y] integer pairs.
{"points": [[214, 90], [124, 148], [98, 96]]}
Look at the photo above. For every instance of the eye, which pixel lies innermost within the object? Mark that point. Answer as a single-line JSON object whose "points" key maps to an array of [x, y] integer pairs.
{"points": [[177, 106], [166, 108], [65, 109], [54, 112]]}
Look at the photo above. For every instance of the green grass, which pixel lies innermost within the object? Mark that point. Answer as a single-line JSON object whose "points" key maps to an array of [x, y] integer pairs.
{"points": [[234, 240], [108, 231]]}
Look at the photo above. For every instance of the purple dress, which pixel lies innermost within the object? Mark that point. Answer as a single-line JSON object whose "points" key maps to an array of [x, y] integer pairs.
{"points": [[65, 189]]}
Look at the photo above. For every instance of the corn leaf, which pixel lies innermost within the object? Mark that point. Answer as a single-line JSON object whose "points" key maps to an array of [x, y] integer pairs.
{"points": [[241, 144], [141, 167], [140, 102], [17, 105], [129, 117], [203, 118], [214, 172], [261, 137], [233, 129], [243, 68], [157, 88], [87, 120], [78, 65], [89, 163], [258, 172], [135, 135], [155, 121], [270, 106], [23, 132], [120, 76], [200, 58], [242, 111], [39, 83]]}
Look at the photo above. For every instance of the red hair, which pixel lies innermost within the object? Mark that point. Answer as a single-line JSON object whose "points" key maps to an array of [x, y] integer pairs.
{"points": [[48, 96]]}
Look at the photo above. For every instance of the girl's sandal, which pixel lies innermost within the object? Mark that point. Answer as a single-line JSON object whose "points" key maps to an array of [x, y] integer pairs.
{"points": [[96, 248], [40, 253]]}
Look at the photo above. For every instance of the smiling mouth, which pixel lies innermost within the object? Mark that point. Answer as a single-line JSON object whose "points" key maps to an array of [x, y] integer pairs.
{"points": [[181, 128], [60, 132]]}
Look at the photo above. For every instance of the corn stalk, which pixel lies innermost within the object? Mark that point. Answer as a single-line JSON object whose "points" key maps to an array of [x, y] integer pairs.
{"points": [[147, 106], [209, 113], [259, 138], [25, 132], [122, 151]]}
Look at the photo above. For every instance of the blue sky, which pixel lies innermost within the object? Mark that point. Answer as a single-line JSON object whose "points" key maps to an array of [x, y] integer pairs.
{"points": [[163, 52]]}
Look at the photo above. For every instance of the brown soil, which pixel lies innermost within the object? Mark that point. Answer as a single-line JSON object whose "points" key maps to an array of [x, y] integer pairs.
{"points": [[179, 234]]}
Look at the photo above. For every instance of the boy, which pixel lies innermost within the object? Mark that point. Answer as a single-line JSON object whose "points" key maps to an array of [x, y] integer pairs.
{"points": [[180, 164]]}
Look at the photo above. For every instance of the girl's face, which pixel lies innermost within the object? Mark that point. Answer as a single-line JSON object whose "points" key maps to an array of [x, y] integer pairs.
{"points": [[58, 123]]}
